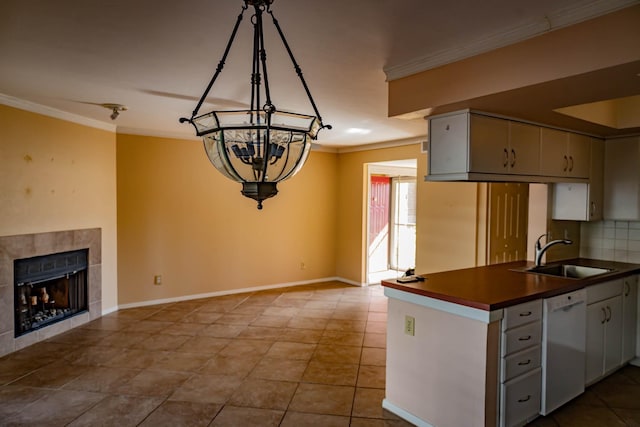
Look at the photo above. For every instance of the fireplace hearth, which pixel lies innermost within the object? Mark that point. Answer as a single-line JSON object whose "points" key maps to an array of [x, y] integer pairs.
{"points": [[49, 289]]}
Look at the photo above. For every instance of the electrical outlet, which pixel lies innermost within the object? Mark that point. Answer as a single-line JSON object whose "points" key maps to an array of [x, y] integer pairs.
{"points": [[157, 280], [303, 266], [410, 325]]}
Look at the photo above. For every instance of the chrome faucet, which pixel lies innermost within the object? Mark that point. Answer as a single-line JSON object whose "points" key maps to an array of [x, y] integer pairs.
{"points": [[540, 250]]}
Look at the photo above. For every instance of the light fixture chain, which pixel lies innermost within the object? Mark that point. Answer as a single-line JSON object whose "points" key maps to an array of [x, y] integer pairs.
{"points": [[221, 63], [297, 68]]}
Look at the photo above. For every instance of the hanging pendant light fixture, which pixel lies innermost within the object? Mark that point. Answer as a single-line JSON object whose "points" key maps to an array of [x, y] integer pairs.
{"points": [[261, 146]]}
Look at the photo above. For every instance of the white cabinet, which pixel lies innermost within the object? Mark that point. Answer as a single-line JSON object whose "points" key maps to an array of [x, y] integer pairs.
{"points": [[622, 179], [629, 315], [604, 329], [466, 142], [520, 372], [582, 201], [564, 154]]}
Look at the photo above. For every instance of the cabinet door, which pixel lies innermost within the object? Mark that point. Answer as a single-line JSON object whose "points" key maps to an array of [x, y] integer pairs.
{"points": [[596, 319], [554, 160], [489, 145], [448, 144], [579, 155], [524, 149], [613, 334], [596, 180], [622, 179], [629, 314]]}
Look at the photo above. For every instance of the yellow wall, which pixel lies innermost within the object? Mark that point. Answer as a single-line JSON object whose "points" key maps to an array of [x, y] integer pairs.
{"points": [[57, 175], [180, 218]]}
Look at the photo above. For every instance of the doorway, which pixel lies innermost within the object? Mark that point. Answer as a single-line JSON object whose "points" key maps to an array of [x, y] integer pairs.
{"points": [[391, 219]]}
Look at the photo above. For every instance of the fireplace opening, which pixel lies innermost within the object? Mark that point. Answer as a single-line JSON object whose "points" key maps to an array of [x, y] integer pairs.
{"points": [[49, 288]]}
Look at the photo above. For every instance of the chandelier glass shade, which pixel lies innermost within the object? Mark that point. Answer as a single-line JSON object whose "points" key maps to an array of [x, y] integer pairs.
{"points": [[261, 146]]}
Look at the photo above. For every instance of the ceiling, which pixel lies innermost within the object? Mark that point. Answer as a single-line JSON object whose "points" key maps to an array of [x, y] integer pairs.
{"points": [[156, 57]]}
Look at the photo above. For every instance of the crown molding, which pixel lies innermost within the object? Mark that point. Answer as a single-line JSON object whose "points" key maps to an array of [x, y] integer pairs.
{"points": [[32, 107], [381, 145], [552, 21]]}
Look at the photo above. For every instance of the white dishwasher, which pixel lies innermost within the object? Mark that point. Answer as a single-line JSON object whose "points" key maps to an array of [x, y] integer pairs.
{"points": [[564, 320]]}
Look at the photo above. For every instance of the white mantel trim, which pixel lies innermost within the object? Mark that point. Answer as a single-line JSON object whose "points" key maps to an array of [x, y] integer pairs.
{"points": [[552, 21]]}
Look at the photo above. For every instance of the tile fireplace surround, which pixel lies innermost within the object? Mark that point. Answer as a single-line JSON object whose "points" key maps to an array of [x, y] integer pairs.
{"points": [[30, 245]]}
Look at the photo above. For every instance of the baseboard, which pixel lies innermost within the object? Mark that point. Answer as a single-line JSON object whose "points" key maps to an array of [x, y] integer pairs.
{"points": [[404, 414], [231, 292]]}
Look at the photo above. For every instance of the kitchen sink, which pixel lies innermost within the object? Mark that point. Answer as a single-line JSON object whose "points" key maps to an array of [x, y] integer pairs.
{"points": [[568, 270]]}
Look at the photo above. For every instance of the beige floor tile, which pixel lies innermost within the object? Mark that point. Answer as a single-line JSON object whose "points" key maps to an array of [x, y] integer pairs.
{"points": [[102, 379], [337, 354], [260, 333], [153, 383], [309, 336], [345, 325], [323, 399], [618, 395], [232, 416], [183, 328], [54, 375], [182, 362], [291, 350], [135, 358], [373, 356], [371, 376], [239, 348], [118, 410], [267, 394], [368, 403], [586, 416], [281, 311], [108, 324], [234, 365], [148, 326], [342, 338], [80, 337], [14, 399], [319, 304], [279, 369], [271, 321], [93, 356], [202, 317], [249, 309], [375, 340], [297, 419], [207, 389], [300, 322], [203, 344], [376, 327], [162, 342], [222, 331], [630, 416], [188, 414], [236, 319], [57, 407], [331, 373], [168, 315], [124, 339]]}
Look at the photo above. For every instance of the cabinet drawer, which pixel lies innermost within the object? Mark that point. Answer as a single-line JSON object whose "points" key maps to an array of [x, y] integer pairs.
{"points": [[520, 398], [520, 362], [604, 291], [522, 313], [522, 337]]}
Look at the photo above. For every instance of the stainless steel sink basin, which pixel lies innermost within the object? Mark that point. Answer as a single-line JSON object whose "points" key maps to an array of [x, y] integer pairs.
{"points": [[568, 270]]}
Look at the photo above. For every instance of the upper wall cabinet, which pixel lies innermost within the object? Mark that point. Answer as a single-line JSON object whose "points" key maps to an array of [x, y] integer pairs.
{"points": [[473, 146], [622, 179], [564, 154], [580, 201]]}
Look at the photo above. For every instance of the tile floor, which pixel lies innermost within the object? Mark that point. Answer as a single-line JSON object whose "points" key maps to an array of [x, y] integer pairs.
{"points": [[300, 356], [303, 356]]}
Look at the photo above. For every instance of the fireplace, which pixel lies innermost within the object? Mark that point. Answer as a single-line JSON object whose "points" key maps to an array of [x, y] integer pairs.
{"points": [[78, 247], [49, 288]]}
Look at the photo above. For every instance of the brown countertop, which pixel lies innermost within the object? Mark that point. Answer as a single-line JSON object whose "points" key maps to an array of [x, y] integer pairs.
{"points": [[500, 285]]}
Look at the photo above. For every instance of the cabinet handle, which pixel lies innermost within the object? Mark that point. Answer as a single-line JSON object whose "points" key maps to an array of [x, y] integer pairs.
{"points": [[566, 164], [593, 208], [525, 314], [609, 317], [513, 155], [526, 399], [604, 318], [506, 158], [570, 163], [527, 338], [627, 288], [524, 363]]}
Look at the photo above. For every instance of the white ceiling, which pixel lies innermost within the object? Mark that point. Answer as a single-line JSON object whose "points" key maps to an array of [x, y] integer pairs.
{"points": [[156, 57]]}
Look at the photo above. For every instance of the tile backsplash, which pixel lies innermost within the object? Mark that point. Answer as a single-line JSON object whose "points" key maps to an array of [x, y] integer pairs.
{"points": [[611, 240]]}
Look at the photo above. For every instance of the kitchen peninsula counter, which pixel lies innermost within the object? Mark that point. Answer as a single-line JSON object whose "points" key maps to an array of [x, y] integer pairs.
{"points": [[445, 337]]}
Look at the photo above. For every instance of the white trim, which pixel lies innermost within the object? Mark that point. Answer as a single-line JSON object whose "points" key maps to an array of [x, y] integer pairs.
{"points": [[552, 21], [32, 107], [380, 145], [159, 134], [232, 291], [109, 310], [484, 316], [404, 414]]}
